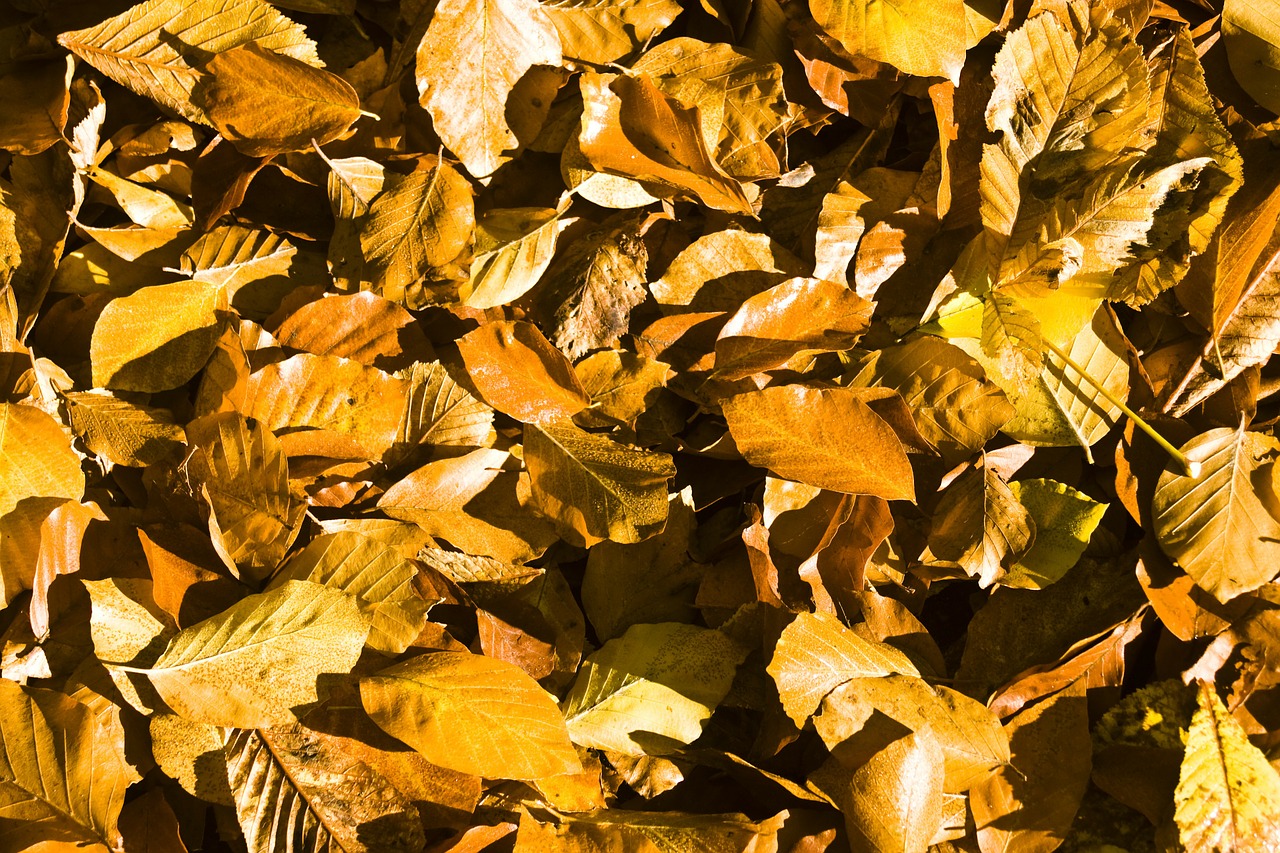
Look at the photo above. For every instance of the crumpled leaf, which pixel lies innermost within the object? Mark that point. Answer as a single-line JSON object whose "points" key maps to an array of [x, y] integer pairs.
{"points": [[472, 714], [634, 130], [297, 786], [243, 476], [981, 525]]}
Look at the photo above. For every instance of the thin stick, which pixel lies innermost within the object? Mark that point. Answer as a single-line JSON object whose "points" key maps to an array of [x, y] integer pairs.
{"points": [[1190, 467]]}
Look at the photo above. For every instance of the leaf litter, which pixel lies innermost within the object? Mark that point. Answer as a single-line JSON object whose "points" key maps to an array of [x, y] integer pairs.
{"points": [[728, 426]]}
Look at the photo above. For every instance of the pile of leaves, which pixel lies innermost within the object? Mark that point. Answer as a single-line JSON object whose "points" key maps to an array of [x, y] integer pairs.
{"points": [[595, 425]]}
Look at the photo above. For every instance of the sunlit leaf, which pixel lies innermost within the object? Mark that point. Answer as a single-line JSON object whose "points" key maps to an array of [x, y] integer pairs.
{"points": [[242, 474], [473, 714], [156, 48], [474, 53], [252, 665], [595, 488], [925, 41], [1220, 526], [63, 775], [267, 103], [417, 222], [1228, 796], [380, 580], [157, 338], [816, 654], [651, 688], [826, 437]]}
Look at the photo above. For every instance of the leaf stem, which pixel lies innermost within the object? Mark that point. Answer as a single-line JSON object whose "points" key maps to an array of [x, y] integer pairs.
{"points": [[1190, 467]]}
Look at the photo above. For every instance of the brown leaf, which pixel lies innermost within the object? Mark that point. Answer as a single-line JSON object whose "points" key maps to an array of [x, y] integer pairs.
{"points": [[801, 315], [826, 437], [631, 129], [519, 372], [266, 103], [1030, 804]]}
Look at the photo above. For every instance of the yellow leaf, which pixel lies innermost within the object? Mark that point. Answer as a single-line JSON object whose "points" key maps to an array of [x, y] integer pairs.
{"points": [[244, 477], [720, 270], [360, 406], [1251, 33], [121, 432], [63, 774], [915, 36], [256, 664], [816, 654], [36, 459], [418, 221], [1228, 795], [740, 98], [652, 688], [595, 488], [473, 54], [893, 800], [513, 248], [156, 48], [472, 503], [380, 580], [266, 103], [633, 129], [156, 338], [597, 33], [1220, 526], [472, 714], [649, 832]]}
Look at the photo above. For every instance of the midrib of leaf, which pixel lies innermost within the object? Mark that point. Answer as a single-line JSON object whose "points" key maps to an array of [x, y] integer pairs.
{"points": [[606, 689], [273, 636], [43, 796], [293, 783], [417, 217]]}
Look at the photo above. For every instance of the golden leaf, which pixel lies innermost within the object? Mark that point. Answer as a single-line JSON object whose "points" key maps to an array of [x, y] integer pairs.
{"points": [[472, 714]]}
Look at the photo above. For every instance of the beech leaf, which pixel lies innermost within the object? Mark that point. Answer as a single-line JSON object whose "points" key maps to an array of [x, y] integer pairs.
{"points": [[651, 688], [473, 714], [826, 437], [1228, 796], [1220, 527], [252, 665], [267, 103]]}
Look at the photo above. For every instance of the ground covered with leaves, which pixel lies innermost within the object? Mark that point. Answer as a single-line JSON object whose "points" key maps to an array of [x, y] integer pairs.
{"points": [[630, 425]]}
